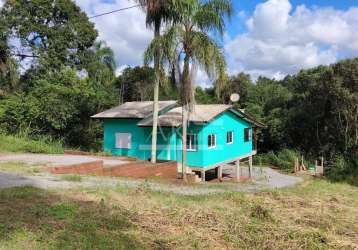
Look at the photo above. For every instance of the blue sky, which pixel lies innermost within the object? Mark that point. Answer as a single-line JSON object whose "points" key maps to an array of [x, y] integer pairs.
{"points": [[248, 6], [271, 38]]}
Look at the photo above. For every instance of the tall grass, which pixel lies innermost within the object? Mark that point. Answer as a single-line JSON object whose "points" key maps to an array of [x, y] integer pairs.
{"points": [[23, 144]]}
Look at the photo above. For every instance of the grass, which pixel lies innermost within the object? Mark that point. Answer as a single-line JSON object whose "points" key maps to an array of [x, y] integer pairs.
{"points": [[73, 178], [21, 168], [23, 144], [315, 215]]}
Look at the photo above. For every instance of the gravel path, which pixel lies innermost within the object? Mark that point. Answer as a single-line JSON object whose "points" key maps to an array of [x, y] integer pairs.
{"points": [[264, 178], [58, 160]]}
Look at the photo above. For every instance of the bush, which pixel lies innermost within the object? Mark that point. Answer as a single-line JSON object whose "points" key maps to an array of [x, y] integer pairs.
{"points": [[343, 168], [284, 159]]}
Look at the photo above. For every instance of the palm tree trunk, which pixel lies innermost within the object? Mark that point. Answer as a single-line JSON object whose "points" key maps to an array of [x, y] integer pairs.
{"points": [[156, 97], [184, 126], [186, 94]]}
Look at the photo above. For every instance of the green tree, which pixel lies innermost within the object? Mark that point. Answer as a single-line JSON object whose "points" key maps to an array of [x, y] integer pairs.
{"points": [[240, 84], [136, 84], [99, 63], [188, 42], [57, 31]]}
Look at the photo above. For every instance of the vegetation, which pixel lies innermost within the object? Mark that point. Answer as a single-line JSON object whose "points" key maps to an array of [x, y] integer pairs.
{"points": [[21, 168], [73, 178], [23, 144], [315, 215]]}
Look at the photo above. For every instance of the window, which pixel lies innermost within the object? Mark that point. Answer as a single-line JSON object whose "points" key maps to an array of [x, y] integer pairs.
{"points": [[212, 141], [191, 142], [229, 137], [247, 134], [123, 140]]}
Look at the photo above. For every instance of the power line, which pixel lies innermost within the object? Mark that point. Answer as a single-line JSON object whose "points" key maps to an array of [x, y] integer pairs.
{"points": [[114, 11]]}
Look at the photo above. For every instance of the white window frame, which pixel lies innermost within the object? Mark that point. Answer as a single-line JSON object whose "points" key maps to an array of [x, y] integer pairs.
{"points": [[213, 136], [190, 142], [232, 137], [123, 140]]}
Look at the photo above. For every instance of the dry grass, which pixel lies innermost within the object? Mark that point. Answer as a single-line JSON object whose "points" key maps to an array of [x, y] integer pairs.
{"points": [[315, 215], [22, 168]]}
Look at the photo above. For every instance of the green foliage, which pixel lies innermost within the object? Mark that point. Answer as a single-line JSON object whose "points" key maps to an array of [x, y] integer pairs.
{"points": [[59, 105], [205, 96], [23, 144], [56, 31], [344, 169], [284, 159]]}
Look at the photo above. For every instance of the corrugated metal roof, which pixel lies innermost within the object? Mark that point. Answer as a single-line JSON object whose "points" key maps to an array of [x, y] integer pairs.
{"points": [[200, 114], [133, 110]]}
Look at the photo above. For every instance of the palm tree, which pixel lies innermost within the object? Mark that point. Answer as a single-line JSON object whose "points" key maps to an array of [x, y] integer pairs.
{"points": [[157, 13], [187, 42]]}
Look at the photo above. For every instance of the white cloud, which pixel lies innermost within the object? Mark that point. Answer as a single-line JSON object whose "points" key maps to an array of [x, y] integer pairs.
{"points": [[281, 40], [1, 3], [125, 32]]}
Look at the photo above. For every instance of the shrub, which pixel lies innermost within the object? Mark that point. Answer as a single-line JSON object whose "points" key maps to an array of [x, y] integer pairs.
{"points": [[343, 168], [283, 159]]}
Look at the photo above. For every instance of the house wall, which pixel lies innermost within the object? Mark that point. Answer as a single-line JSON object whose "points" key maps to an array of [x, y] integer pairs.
{"points": [[141, 140], [169, 139], [166, 143], [113, 126], [225, 122]]}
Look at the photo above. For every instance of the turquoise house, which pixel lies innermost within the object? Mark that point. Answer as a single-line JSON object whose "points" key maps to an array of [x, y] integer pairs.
{"points": [[217, 134]]}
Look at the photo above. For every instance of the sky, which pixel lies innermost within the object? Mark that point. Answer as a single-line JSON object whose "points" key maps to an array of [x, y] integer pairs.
{"points": [[272, 38]]}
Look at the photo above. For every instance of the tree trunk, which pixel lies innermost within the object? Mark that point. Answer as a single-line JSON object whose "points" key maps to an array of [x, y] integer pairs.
{"points": [[184, 126], [186, 97], [156, 97]]}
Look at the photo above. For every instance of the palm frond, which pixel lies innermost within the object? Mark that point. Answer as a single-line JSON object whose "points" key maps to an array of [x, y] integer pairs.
{"points": [[210, 15]]}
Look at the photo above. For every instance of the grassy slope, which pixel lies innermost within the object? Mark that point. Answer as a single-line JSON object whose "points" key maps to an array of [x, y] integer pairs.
{"points": [[315, 215], [9, 143]]}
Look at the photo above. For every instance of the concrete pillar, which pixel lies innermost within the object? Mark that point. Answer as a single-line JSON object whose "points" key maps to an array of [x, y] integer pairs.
{"points": [[250, 167], [203, 175], [220, 173], [237, 170]]}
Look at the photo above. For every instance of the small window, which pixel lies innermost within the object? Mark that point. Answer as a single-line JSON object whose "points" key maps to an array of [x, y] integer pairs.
{"points": [[191, 142], [123, 140], [247, 134], [212, 141], [229, 137]]}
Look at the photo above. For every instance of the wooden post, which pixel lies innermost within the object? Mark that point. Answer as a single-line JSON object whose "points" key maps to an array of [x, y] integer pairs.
{"points": [[203, 175], [237, 170], [220, 173], [250, 166]]}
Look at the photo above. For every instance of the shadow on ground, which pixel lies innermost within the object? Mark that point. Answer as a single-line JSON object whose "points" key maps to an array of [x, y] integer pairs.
{"points": [[33, 218]]}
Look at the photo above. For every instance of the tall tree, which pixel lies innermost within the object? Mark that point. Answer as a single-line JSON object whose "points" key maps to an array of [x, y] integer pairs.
{"points": [[187, 42], [158, 12], [56, 31]]}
